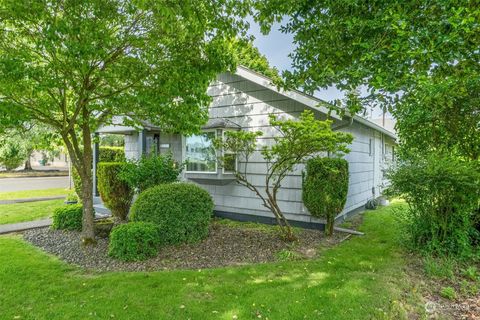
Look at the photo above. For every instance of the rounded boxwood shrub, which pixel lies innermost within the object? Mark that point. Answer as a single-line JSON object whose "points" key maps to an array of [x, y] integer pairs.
{"points": [[181, 211], [325, 188], [68, 217], [134, 241], [116, 193]]}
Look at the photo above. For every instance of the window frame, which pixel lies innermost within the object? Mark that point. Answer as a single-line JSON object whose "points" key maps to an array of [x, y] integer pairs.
{"points": [[216, 159]]}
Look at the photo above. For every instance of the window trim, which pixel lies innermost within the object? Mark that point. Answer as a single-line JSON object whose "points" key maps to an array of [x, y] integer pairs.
{"points": [[216, 160]]}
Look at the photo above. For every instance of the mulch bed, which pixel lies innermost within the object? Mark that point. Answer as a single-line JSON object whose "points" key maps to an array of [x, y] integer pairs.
{"points": [[226, 245]]}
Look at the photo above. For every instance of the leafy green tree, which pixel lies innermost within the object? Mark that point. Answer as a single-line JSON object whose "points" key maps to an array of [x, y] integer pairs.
{"points": [[297, 141], [417, 58], [248, 55], [18, 143], [12, 153], [72, 64]]}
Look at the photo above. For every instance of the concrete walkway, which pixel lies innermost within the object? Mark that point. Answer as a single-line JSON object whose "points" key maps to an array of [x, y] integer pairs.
{"points": [[21, 184], [30, 200], [22, 226]]}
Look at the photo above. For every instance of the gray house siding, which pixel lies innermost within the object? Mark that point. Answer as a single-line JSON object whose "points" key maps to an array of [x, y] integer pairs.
{"points": [[248, 104]]}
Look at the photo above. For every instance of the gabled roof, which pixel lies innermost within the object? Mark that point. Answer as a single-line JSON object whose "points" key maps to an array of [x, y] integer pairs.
{"points": [[309, 101]]}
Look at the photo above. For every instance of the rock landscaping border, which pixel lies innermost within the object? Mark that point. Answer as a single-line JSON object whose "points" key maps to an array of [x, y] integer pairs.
{"points": [[226, 245]]}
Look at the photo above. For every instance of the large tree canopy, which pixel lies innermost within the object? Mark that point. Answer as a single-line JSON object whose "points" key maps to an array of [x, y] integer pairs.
{"points": [[421, 59], [72, 64]]}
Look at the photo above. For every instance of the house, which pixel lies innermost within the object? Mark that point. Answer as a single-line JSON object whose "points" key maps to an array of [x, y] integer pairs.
{"points": [[243, 101]]}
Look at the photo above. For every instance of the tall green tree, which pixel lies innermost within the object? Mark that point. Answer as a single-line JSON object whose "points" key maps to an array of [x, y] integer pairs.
{"points": [[72, 64], [18, 143], [420, 59]]}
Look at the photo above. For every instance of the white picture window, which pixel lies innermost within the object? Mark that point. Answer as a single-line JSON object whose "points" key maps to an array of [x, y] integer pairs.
{"points": [[200, 153]]}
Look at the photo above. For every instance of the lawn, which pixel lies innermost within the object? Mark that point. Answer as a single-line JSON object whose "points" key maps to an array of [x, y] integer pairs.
{"points": [[33, 194], [361, 278], [20, 212]]}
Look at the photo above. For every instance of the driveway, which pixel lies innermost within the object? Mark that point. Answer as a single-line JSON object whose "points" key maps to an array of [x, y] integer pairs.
{"points": [[19, 184]]}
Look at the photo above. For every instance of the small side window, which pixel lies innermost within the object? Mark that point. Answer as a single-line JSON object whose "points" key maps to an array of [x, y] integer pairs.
{"points": [[229, 160]]}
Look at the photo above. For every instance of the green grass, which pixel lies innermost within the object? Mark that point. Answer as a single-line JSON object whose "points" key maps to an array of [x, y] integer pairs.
{"points": [[33, 194], [360, 279], [21, 212]]}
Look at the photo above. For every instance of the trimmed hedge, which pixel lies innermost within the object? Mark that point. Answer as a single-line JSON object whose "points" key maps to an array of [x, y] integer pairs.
{"points": [[116, 193], [181, 211], [111, 154], [325, 188], [68, 217], [134, 241]]}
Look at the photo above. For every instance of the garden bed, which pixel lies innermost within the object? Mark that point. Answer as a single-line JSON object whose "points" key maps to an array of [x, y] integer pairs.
{"points": [[228, 244]]}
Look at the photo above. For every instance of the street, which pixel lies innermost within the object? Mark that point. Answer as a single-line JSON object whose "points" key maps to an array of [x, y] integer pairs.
{"points": [[19, 184]]}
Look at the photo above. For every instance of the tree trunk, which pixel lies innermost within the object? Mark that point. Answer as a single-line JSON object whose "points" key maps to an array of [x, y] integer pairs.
{"points": [[88, 228], [329, 226], [88, 232], [28, 165]]}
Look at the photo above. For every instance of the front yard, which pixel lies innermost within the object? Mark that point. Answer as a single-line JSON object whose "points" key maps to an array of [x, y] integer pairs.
{"points": [[29, 211], [361, 278]]}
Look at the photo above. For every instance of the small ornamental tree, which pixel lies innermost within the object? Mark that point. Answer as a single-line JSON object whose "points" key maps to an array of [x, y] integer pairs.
{"points": [[325, 188], [297, 141]]}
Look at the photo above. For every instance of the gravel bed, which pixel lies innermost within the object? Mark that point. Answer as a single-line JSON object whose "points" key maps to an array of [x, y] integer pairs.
{"points": [[225, 246]]}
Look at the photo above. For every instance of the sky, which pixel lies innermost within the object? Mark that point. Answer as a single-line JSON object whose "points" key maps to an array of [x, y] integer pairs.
{"points": [[276, 46]]}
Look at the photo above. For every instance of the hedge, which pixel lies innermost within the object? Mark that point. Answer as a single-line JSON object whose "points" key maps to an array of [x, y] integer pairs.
{"points": [[115, 193], [111, 154], [325, 188], [181, 211], [134, 241], [68, 217]]}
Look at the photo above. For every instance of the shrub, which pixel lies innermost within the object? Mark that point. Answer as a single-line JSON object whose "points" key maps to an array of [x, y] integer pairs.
{"points": [[116, 193], [111, 154], [181, 211], [134, 241], [442, 193], [12, 154], [71, 198], [77, 182], [68, 217], [151, 171], [325, 188]]}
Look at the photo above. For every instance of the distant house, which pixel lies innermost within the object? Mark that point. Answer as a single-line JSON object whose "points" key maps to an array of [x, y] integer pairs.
{"points": [[243, 101]]}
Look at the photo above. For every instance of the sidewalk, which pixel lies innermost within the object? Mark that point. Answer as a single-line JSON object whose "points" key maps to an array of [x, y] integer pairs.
{"points": [[22, 226], [30, 200]]}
